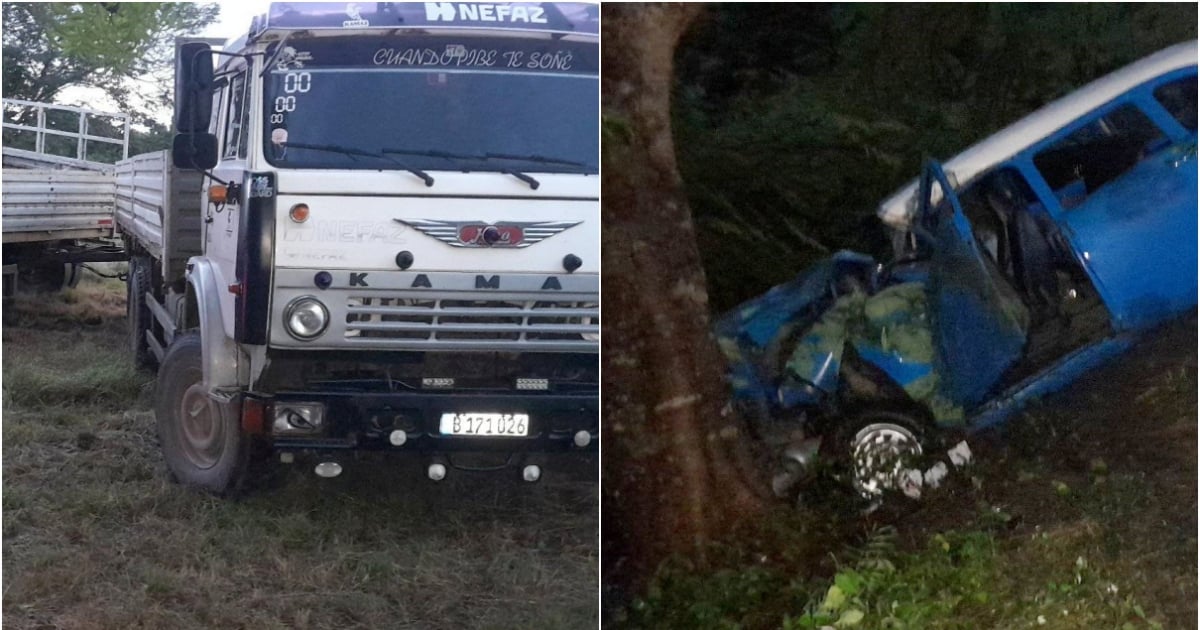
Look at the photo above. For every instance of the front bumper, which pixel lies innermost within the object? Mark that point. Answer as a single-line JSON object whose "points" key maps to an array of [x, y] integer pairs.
{"points": [[364, 421]]}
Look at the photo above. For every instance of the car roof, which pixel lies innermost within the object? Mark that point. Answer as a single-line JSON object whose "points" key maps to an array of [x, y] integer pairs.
{"points": [[1025, 132]]}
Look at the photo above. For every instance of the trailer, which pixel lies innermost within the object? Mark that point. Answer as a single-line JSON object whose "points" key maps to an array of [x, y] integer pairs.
{"points": [[57, 208]]}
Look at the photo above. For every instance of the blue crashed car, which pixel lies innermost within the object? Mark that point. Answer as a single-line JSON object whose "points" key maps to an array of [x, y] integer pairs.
{"points": [[1021, 263]]}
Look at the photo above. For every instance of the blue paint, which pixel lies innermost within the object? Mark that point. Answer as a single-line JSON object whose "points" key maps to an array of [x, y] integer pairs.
{"points": [[978, 327], [1049, 381], [1134, 237], [1139, 236]]}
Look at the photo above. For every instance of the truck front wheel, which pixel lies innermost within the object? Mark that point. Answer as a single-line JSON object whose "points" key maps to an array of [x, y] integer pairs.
{"points": [[201, 438]]}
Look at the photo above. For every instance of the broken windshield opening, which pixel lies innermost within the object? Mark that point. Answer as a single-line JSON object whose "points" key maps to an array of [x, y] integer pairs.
{"points": [[472, 104]]}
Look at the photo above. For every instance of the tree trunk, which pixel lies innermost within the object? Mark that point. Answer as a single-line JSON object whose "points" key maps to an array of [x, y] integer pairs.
{"points": [[671, 482]]}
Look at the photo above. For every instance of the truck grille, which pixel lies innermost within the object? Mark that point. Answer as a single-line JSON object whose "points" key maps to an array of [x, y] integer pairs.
{"points": [[523, 324]]}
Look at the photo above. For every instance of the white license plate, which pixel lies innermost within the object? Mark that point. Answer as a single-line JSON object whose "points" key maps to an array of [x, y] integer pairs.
{"points": [[485, 424]]}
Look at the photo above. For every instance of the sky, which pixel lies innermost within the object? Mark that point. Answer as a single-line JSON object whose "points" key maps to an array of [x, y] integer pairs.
{"points": [[235, 18], [233, 21]]}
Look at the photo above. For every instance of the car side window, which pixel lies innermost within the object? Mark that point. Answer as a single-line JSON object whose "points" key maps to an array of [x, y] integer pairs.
{"points": [[1179, 98], [1097, 153], [236, 118]]}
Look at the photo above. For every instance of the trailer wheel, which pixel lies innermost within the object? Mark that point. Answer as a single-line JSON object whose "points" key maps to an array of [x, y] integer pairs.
{"points": [[201, 438], [138, 313], [42, 277]]}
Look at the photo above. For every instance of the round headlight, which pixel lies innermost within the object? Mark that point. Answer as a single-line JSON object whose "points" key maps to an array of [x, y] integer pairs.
{"points": [[305, 318]]}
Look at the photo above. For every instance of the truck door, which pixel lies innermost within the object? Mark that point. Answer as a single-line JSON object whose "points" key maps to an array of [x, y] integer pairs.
{"points": [[979, 323]]}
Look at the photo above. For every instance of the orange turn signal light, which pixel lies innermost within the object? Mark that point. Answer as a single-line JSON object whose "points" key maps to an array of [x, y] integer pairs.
{"points": [[299, 213], [218, 193]]}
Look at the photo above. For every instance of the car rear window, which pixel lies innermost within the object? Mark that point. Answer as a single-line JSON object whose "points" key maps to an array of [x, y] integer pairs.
{"points": [[1179, 98], [1077, 166]]}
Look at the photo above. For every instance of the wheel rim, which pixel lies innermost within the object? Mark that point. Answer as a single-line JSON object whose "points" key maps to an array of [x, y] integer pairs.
{"points": [[881, 454], [201, 433]]}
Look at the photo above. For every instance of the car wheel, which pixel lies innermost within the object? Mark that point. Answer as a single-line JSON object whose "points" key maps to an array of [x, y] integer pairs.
{"points": [[881, 453], [201, 438], [138, 313]]}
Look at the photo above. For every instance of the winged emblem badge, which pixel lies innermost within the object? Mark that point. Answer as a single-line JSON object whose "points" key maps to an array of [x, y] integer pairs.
{"points": [[480, 234]]}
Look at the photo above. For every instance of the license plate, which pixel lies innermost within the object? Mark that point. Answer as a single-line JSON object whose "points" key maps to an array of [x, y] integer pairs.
{"points": [[485, 424]]}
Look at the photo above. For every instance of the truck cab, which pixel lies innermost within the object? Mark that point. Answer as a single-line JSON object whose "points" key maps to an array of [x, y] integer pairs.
{"points": [[398, 241]]}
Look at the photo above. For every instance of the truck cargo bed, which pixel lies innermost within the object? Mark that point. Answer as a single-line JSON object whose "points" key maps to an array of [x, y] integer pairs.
{"points": [[158, 208]]}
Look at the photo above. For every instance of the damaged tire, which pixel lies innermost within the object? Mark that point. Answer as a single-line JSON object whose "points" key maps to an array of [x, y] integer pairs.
{"points": [[202, 439]]}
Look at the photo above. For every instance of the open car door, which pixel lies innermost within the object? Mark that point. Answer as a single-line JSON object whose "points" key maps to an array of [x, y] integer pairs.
{"points": [[979, 322]]}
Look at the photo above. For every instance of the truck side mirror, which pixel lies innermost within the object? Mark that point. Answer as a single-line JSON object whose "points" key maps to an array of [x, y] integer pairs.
{"points": [[193, 87], [194, 151]]}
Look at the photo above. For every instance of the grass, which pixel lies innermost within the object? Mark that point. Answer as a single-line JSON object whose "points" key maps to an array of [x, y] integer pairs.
{"points": [[1081, 515], [95, 536]]}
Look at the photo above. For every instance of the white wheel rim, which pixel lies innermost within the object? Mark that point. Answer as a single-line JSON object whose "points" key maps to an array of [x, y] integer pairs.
{"points": [[880, 454]]}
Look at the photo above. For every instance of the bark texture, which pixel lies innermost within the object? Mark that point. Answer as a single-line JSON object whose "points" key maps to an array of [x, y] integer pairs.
{"points": [[670, 477]]}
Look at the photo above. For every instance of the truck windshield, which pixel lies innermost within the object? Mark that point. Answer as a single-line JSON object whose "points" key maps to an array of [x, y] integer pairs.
{"points": [[433, 103]]}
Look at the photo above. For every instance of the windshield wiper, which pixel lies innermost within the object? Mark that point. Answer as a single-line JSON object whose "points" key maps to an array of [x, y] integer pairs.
{"points": [[533, 183], [432, 153], [350, 151], [534, 158]]}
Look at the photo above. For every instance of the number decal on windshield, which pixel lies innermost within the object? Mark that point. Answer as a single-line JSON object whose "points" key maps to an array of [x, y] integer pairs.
{"points": [[285, 104], [297, 82]]}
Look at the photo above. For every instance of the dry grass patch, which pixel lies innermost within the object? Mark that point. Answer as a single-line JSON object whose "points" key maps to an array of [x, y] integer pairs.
{"points": [[95, 536]]}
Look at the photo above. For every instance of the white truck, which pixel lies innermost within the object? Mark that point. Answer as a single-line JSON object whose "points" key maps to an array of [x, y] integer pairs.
{"points": [[377, 229]]}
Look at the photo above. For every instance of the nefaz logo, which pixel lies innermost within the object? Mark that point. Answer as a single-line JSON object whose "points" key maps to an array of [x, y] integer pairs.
{"points": [[462, 11]]}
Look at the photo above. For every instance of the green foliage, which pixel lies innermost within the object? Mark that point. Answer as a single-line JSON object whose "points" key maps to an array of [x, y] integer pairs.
{"points": [[50, 46], [793, 121], [959, 580]]}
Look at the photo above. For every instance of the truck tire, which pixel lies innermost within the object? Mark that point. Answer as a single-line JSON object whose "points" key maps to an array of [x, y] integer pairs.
{"points": [[202, 439], [138, 313], [42, 277]]}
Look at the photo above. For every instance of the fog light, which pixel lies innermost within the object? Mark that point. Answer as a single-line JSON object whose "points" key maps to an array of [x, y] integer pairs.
{"points": [[328, 470], [531, 473], [583, 438], [298, 418], [437, 471], [398, 437], [305, 318]]}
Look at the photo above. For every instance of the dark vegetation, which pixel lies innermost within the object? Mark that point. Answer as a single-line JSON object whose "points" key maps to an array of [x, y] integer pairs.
{"points": [[1081, 514], [96, 537], [793, 121]]}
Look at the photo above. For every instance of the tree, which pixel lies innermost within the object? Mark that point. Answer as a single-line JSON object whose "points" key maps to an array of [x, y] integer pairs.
{"points": [[123, 48], [673, 473]]}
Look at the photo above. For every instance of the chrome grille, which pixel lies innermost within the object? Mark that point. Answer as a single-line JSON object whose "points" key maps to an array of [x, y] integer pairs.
{"points": [[499, 324]]}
